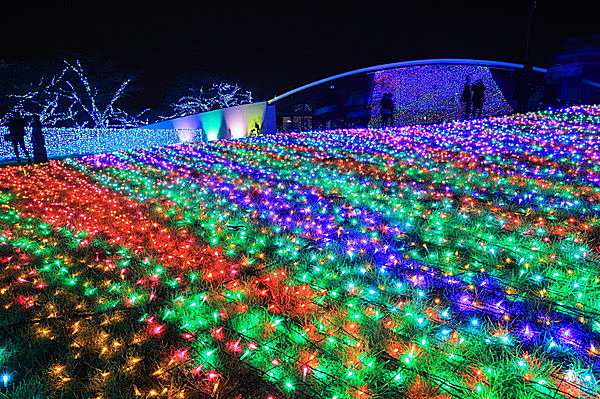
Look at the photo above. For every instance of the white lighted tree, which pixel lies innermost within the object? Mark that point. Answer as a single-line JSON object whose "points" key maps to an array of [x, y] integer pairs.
{"points": [[218, 95], [70, 98]]}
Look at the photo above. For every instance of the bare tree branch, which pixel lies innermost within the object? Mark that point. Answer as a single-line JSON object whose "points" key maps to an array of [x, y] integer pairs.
{"points": [[218, 95], [69, 98]]}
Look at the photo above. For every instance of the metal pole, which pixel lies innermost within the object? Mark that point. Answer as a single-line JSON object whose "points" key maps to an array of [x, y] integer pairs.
{"points": [[532, 8]]}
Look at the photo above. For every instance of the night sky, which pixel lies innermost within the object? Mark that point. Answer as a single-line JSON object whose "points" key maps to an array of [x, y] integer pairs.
{"points": [[283, 47]]}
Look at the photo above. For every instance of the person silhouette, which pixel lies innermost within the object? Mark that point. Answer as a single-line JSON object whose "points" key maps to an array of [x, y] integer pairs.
{"points": [[16, 128], [256, 131], [37, 140], [465, 98], [478, 98], [387, 110]]}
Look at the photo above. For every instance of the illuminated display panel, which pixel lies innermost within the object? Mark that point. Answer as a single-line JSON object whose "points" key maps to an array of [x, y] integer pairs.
{"points": [[432, 93]]}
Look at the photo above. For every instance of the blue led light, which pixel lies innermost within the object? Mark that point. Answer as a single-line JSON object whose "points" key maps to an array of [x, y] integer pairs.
{"points": [[62, 142]]}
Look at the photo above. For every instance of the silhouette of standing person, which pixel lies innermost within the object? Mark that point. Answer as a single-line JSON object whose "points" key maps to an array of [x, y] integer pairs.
{"points": [[16, 128], [478, 98], [256, 131], [37, 141], [387, 110], [465, 98]]}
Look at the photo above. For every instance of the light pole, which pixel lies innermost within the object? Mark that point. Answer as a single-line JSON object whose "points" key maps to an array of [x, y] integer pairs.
{"points": [[532, 8]]}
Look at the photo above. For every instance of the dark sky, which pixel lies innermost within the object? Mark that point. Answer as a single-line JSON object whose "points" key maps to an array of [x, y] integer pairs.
{"points": [[286, 46]]}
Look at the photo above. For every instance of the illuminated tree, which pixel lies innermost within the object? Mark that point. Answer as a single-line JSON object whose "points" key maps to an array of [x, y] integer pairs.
{"points": [[218, 95], [71, 98]]}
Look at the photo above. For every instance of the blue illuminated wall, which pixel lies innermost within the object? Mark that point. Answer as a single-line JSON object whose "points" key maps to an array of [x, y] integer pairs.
{"points": [[73, 141], [431, 93]]}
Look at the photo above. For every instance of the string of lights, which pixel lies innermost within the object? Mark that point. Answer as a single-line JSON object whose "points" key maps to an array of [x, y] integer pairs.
{"points": [[457, 260], [61, 142]]}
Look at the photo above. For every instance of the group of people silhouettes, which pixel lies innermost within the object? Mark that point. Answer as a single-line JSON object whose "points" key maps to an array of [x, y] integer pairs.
{"points": [[473, 98], [16, 135]]}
